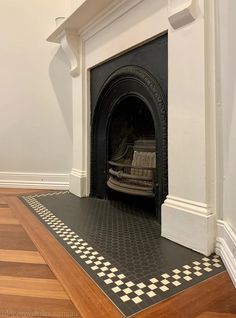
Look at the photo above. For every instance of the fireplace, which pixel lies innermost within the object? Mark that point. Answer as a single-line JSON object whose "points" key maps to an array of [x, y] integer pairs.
{"points": [[99, 34], [129, 107]]}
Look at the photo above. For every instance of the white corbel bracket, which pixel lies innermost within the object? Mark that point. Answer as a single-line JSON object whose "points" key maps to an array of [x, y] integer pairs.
{"points": [[71, 46], [182, 14]]}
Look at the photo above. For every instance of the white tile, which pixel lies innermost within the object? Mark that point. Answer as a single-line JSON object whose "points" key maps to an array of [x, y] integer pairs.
{"points": [[165, 275], [196, 263], [139, 292], [217, 265], [141, 285], [125, 298], [152, 286], [165, 282], [127, 290], [116, 289], [114, 269], [97, 263], [176, 283], [151, 294], [94, 268], [101, 274], [187, 278], [164, 288], [107, 264], [110, 275], [176, 277], [137, 300], [186, 267], [153, 280], [206, 264], [198, 273], [129, 284], [119, 282], [176, 271]]}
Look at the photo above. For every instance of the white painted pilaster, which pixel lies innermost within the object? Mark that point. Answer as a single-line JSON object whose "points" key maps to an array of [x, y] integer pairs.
{"points": [[188, 214]]}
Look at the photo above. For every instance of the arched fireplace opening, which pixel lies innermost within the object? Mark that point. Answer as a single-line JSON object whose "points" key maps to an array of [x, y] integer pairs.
{"points": [[129, 138]]}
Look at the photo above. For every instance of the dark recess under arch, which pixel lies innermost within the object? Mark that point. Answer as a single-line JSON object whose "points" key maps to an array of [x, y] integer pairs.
{"points": [[125, 82]]}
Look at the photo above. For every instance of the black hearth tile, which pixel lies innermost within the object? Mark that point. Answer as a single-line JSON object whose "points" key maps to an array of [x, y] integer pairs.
{"points": [[121, 248]]}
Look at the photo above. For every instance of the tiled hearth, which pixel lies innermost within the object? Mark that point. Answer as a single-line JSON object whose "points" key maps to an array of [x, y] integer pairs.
{"points": [[121, 248]]}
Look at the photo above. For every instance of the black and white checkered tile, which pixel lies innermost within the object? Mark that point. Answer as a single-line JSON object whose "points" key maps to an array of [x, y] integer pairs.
{"points": [[124, 288]]}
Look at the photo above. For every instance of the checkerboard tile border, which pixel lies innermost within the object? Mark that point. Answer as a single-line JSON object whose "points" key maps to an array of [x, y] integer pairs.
{"points": [[119, 284]]}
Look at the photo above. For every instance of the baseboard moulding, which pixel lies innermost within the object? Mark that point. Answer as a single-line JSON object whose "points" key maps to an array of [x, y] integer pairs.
{"points": [[226, 247], [28, 180], [78, 183], [190, 224]]}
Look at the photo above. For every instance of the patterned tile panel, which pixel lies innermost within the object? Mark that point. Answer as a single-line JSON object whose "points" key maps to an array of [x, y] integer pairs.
{"points": [[130, 293]]}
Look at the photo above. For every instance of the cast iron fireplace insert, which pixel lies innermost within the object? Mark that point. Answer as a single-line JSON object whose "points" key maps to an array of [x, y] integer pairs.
{"points": [[129, 125]]}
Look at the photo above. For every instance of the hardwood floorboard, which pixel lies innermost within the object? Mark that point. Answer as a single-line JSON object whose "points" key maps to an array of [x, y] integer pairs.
{"points": [[211, 295], [22, 306], [31, 257], [31, 283], [14, 237], [3, 205], [87, 297], [216, 315], [28, 287], [5, 212], [3, 202], [25, 270], [8, 220], [16, 192]]}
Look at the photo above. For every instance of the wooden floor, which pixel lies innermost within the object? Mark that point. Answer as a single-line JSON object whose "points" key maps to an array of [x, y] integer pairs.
{"points": [[38, 278]]}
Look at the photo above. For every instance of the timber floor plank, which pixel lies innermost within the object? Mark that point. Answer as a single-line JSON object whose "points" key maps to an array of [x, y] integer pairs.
{"points": [[25, 270], [216, 315], [8, 220], [28, 287], [5, 212], [22, 306], [13, 237], [20, 256]]}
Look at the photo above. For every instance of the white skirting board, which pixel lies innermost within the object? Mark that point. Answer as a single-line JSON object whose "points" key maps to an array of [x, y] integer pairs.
{"points": [[189, 224], [27, 180], [226, 247], [78, 183]]}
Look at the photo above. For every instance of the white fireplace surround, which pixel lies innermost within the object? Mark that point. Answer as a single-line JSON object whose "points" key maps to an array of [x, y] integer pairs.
{"points": [[99, 30]]}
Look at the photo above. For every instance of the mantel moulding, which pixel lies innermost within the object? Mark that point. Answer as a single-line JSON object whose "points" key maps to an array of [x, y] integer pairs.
{"points": [[71, 46], [180, 15]]}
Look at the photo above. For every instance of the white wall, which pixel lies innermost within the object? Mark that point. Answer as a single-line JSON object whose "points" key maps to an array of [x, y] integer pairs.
{"points": [[227, 73], [226, 78], [35, 94]]}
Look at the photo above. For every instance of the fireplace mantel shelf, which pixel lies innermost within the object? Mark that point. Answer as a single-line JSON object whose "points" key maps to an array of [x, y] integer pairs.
{"points": [[87, 11]]}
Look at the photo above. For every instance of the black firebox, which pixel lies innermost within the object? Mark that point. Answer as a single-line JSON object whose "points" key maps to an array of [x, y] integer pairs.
{"points": [[129, 125]]}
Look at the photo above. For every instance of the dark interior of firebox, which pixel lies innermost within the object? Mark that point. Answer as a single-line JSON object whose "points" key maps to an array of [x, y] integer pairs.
{"points": [[131, 144]]}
